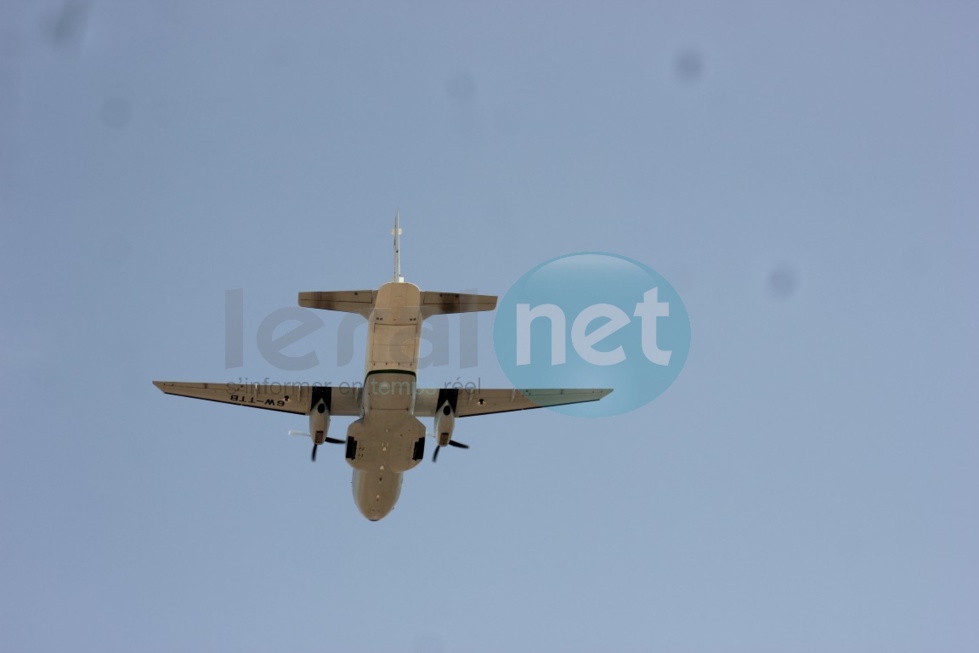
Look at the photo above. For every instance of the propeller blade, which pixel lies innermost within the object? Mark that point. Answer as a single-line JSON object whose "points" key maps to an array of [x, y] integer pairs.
{"points": [[435, 456], [314, 452], [330, 440]]}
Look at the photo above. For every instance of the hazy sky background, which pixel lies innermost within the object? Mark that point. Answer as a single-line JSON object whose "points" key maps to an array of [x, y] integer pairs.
{"points": [[805, 174]]}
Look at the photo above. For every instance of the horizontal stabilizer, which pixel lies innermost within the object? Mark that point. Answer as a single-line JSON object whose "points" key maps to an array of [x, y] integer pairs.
{"points": [[444, 303], [348, 301], [362, 301]]}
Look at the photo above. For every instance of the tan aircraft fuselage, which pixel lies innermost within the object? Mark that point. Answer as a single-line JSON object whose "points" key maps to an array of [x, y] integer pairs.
{"points": [[388, 440]]}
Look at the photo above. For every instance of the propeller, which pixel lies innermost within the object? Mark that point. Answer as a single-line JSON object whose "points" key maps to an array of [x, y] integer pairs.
{"points": [[435, 456], [325, 439]]}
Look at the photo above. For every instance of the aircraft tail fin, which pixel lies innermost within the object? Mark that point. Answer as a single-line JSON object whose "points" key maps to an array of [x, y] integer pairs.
{"points": [[396, 232]]}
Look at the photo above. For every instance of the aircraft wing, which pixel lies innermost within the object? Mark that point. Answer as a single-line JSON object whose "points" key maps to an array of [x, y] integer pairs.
{"points": [[298, 398], [486, 401]]}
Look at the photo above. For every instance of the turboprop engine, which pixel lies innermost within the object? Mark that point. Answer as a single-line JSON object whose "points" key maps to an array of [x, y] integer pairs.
{"points": [[445, 421], [319, 424]]}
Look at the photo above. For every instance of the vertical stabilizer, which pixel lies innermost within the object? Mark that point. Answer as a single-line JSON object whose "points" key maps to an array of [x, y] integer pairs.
{"points": [[396, 232]]}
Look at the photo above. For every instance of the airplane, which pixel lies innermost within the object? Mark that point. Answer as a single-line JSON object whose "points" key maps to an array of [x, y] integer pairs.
{"points": [[387, 438]]}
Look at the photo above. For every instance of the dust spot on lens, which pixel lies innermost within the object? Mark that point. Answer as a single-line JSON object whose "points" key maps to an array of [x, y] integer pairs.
{"points": [[461, 87], [67, 26], [689, 65], [116, 112], [783, 282]]}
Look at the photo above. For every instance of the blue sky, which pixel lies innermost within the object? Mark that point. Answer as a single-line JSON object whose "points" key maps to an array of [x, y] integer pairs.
{"points": [[803, 174]]}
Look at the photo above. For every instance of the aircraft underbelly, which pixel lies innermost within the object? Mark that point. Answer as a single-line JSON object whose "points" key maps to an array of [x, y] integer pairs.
{"points": [[381, 447]]}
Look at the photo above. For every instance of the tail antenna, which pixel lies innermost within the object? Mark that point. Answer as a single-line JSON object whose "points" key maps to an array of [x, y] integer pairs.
{"points": [[396, 232]]}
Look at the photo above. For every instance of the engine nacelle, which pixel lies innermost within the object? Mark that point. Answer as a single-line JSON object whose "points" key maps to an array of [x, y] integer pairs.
{"points": [[319, 422], [445, 421]]}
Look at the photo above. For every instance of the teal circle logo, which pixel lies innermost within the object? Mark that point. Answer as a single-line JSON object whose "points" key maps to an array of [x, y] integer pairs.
{"points": [[593, 320]]}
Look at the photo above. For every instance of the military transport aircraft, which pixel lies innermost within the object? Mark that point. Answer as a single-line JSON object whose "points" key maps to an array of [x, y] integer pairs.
{"points": [[387, 438]]}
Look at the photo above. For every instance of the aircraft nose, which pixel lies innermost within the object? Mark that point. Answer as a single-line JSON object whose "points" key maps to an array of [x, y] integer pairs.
{"points": [[376, 513], [376, 494]]}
